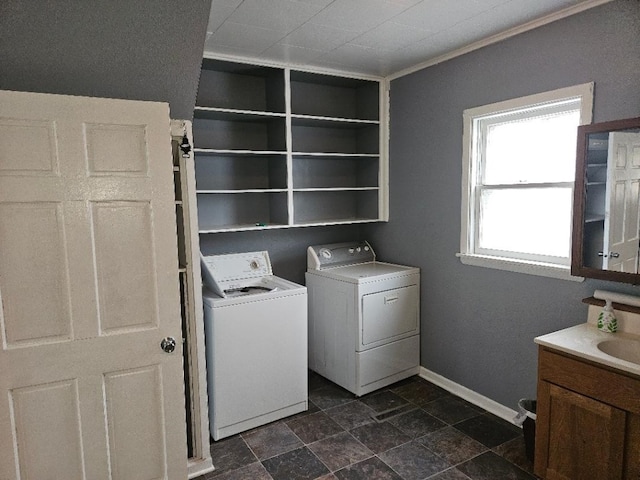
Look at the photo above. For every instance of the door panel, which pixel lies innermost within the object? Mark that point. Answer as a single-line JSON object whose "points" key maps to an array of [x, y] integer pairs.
{"points": [[133, 398], [29, 228], [54, 439], [586, 437], [623, 203], [125, 265], [88, 288], [35, 139], [116, 148]]}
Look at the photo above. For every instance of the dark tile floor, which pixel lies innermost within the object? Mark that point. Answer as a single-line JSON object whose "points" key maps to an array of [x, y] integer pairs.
{"points": [[411, 430]]}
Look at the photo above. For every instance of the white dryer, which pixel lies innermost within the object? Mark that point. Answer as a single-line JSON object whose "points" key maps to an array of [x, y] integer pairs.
{"points": [[256, 343], [364, 317]]}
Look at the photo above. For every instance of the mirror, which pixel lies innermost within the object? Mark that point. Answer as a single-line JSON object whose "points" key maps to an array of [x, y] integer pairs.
{"points": [[606, 208]]}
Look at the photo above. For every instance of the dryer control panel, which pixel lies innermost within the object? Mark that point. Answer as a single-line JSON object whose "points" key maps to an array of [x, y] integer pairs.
{"points": [[331, 255]]}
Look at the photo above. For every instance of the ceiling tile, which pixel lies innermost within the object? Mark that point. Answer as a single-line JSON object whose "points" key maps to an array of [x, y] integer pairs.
{"points": [[245, 37], [437, 15], [322, 3], [319, 37], [220, 11], [291, 54], [357, 15], [280, 15], [390, 36], [378, 37]]}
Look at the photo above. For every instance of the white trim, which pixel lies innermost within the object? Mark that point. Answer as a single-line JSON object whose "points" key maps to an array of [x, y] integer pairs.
{"points": [[583, 91], [468, 254], [519, 266], [293, 66], [201, 461], [197, 467], [512, 32], [469, 395]]}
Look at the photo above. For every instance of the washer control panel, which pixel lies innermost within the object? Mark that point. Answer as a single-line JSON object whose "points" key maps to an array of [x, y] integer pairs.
{"points": [[339, 254]]}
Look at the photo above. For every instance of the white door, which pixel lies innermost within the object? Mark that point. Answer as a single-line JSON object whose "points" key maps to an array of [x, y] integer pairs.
{"points": [[622, 235], [88, 288]]}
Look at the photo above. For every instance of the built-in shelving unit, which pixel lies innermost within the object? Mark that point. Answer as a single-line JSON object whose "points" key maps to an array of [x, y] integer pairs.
{"points": [[194, 360], [280, 148], [596, 178]]}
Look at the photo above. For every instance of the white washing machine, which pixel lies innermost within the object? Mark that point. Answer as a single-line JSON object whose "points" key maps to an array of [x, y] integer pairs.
{"points": [[256, 343], [364, 317]]}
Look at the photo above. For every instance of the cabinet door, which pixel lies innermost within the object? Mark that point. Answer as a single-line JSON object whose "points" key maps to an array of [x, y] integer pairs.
{"points": [[585, 437]]}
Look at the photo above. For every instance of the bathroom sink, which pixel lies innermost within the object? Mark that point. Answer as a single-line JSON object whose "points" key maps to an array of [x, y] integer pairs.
{"points": [[624, 349]]}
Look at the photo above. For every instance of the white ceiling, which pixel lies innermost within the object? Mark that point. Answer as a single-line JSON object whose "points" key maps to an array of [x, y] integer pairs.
{"points": [[370, 37]]}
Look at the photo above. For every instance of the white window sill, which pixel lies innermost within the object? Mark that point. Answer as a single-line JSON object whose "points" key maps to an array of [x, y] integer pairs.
{"points": [[519, 266]]}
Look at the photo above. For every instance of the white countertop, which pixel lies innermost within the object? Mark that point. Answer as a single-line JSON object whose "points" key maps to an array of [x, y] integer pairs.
{"points": [[582, 340]]}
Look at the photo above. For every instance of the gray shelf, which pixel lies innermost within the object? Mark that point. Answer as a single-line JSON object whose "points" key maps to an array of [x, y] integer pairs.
{"points": [[262, 163]]}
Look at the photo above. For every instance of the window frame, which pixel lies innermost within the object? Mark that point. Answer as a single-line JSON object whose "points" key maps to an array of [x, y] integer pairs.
{"points": [[469, 255]]}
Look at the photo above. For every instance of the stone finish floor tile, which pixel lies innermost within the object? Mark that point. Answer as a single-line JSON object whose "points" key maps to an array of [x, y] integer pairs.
{"points": [[451, 474], [419, 392], [451, 409], [272, 440], [340, 451], [351, 415], [383, 401], [490, 466], [410, 430], [489, 430], [416, 423], [413, 462], [514, 451], [370, 469], [314, 427], [298, 464], [452, 445], [330, 396], [231, 453], [379, 437], [254, 471]]}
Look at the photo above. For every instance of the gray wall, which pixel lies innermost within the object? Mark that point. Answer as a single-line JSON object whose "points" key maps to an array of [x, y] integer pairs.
{"points": [[478, 324], [139, 50], [287, 247]]}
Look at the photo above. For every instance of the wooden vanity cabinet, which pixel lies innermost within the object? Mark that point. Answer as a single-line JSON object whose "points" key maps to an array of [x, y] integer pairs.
{"points": [[588, 420]]}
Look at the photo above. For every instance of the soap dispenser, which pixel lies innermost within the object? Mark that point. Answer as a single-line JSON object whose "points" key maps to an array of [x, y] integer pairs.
{"points": [[607, 320]]}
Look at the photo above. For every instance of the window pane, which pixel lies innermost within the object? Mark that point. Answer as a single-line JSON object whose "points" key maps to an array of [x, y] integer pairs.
{"points": [[532, 150], [533, 221]]}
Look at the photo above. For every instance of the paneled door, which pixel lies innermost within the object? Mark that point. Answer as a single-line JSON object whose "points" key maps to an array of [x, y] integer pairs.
{"points": [[88, 291], [622, 222]]}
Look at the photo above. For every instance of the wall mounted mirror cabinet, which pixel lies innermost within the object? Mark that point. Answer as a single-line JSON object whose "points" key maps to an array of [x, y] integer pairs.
{"points": [[606, 222]]}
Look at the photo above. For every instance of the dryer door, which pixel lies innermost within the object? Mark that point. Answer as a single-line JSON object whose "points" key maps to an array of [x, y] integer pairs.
{"points": [[389, 315]]}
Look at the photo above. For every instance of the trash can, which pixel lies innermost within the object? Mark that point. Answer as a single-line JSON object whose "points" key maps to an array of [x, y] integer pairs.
{"points": [[527, 419]]}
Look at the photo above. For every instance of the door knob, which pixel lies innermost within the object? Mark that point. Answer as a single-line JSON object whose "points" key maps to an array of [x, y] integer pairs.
{"points": [[168, 344]]}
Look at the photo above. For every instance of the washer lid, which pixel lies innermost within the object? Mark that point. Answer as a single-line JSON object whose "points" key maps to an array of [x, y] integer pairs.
{"points": [[218, 270]]}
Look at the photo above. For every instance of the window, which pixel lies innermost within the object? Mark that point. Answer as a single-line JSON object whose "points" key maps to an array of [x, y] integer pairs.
{"points": [[519, 161]]}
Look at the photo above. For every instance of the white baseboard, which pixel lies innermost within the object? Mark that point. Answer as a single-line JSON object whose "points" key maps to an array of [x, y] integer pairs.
{"points": [[197, 467], [470, 396]]}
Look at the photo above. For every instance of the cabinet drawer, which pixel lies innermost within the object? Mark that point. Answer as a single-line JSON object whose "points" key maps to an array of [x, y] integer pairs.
{"points": [[616, 389]]}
